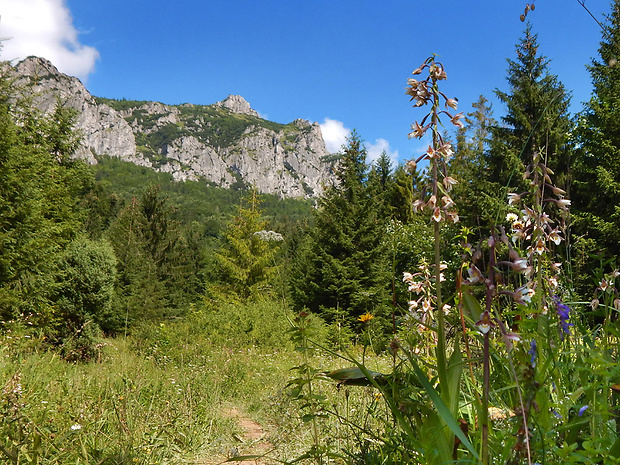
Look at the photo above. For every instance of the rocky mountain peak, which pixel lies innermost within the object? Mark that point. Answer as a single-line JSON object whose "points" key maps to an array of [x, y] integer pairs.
{"points": [[237, 104], [226, 143], [36, 67]]}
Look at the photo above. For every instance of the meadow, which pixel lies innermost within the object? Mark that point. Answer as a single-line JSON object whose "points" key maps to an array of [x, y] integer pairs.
{"points": [[162, 395]]}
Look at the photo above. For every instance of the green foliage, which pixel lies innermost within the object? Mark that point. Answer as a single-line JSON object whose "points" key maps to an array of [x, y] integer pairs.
{"points": [[86, 288], [120, 105], [40, 188], [596, 186], [246, 263], [342, 270], [196, 202]]}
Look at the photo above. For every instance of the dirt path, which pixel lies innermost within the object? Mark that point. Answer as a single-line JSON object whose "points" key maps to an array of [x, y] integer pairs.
{"points": [[252, 441]]}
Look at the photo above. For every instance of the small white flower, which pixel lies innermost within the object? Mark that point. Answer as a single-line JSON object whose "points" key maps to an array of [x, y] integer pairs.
{"points": [[555, 237], [525, 293], [76, 427], [511, 217]]}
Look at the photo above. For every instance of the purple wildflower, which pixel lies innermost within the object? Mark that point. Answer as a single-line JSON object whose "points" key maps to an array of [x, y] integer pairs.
{"points": [[582, 409], [532, 353], [564, 314]]}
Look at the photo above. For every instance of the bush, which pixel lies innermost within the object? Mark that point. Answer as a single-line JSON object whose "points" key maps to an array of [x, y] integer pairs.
{"points": [[86, 280]]}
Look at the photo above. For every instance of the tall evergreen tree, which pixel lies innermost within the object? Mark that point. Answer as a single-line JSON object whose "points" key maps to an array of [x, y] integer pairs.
{"points": [[40, 188], [341, 270], [536, 119], [476, 196], [155, 270], [392, 189], [596, 186]]}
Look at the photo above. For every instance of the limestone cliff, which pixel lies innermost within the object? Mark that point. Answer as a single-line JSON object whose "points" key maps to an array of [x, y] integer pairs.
{"points": [[227, 142]]}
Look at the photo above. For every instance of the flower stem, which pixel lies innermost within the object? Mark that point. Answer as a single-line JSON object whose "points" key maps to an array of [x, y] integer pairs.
{"points": [[442, 368]]}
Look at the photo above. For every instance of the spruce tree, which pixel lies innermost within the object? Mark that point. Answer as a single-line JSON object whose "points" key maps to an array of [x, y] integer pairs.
{"points": [[596, 186], [536, 120], [341, 270], [155, 269], [245, 264], [40, 190], [476, 196]]}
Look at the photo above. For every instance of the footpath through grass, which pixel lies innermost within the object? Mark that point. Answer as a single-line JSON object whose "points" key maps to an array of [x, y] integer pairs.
{"points": [[159, 396]]}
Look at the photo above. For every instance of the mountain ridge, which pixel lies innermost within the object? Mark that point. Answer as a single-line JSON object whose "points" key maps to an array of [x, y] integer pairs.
{"points": [[226, 143]]}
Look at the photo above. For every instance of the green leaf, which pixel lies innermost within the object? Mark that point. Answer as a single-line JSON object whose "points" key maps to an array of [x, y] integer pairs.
{"points": [[472, 308], [354, 376], [442, 409], [455, 370]]}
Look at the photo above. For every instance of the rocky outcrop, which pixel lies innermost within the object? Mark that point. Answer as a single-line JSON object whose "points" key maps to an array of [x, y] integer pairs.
{"points": [[237, 104], [226, 143]]}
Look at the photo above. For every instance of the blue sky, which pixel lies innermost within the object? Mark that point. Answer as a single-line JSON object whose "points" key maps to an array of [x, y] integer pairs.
{"points": [[341, 63]]}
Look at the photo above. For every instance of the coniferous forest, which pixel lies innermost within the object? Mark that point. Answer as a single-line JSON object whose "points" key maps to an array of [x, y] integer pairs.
{"points": [[461, 307]]}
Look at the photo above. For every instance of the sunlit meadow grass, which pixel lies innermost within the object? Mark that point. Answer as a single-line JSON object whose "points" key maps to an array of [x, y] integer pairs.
{"points": [[159, 396]]}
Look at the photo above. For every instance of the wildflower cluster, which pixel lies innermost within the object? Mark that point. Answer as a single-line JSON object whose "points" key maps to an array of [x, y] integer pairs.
{"points": [[607, 290], [436, 199], [421, 284], [537, 232], [534, 224], [269, 236], [423, 305]]}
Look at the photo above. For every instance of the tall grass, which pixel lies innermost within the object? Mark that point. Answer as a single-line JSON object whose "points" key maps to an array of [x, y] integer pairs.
{"points": [[160, 395]]}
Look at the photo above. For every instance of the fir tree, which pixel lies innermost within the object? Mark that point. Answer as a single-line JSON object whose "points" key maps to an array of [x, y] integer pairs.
{"points": [[476, 195]]}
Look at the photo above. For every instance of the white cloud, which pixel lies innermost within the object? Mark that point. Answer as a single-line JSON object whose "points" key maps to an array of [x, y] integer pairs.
{"points": [[375, 150], [334, 134], [44, 28]]}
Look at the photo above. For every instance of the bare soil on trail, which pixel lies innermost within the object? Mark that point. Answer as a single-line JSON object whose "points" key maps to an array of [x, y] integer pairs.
{"points": [[251, 441]]}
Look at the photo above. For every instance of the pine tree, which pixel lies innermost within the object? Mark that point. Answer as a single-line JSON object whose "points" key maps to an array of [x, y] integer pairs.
{"points": [[341, 270], [596, 186]]}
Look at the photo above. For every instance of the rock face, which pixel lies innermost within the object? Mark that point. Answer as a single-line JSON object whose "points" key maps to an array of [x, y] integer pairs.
{"points": [[227, 143]]}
